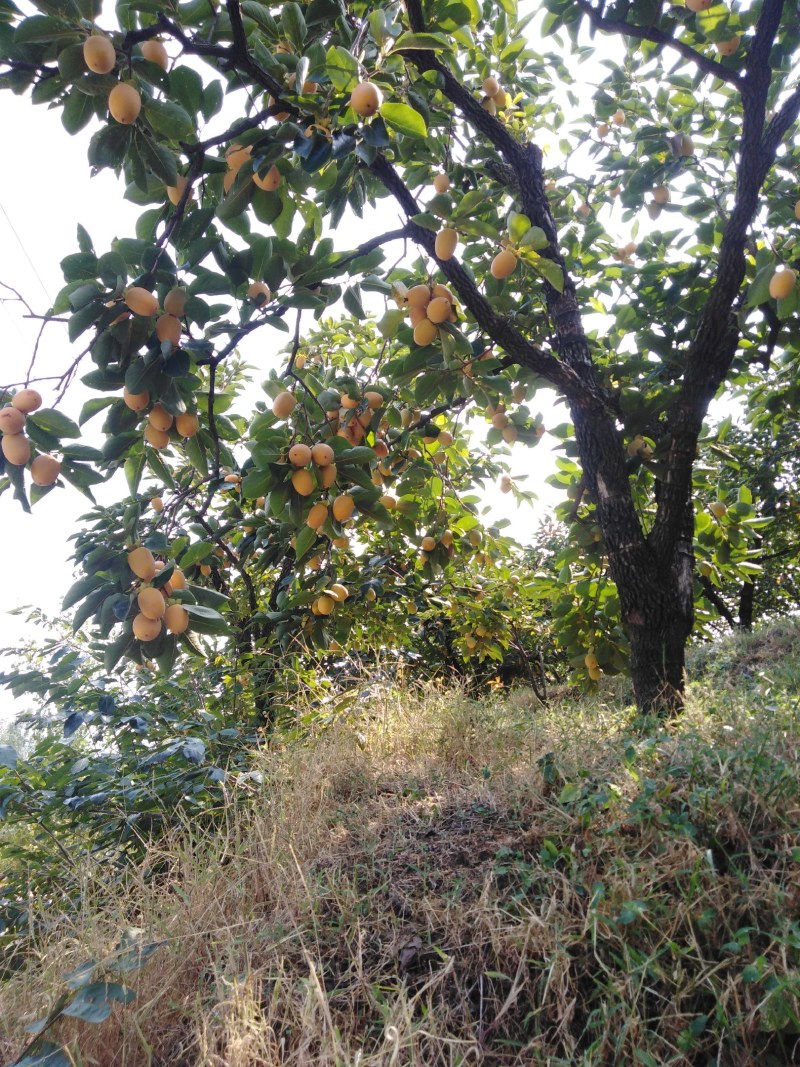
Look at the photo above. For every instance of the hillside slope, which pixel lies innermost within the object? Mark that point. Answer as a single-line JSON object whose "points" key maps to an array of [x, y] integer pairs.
{"points": [[438, 881]]}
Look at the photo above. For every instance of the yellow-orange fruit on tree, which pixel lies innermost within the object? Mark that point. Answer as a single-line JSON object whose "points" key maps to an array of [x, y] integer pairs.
{"points": [[168, 328], [271, 180], [135, 401], [16, 448], [425, 332], [259, 293], [142, 562], [366, 99], [439, 309], [178, 579], [324, 604], [45, 470], [140, 301], [728, 47], [151, 603], [782, 283], [446, 243], [157, 438], [12, 421], [176, 619], [503, 264], [343, 507], [283, 405], [299, 455], [419, 296], [159, 418], [187, 424], [146, 629], [302, 482], [27, 400], [155, 52], [174, 194], [327, 475], [322, 454], [237, 155], [317, 516], [175, 301], [124, 103], [99, 54]]}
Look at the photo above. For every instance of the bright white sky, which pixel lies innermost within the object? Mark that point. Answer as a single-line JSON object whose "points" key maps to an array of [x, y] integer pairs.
{"points": [[45, 190]]}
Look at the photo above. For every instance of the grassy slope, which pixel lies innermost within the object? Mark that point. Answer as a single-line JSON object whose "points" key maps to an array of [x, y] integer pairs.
{"points": [[446, 882]]}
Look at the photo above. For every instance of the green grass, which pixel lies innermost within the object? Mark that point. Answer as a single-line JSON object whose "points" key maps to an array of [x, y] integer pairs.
{"points": [[437, 881]]}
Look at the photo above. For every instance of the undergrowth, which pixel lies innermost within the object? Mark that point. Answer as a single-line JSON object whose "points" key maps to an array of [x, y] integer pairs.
{"points": [[440, 881]]}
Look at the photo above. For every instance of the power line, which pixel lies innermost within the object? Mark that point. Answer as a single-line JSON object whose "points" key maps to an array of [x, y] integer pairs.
{"points": [[25, 251]]}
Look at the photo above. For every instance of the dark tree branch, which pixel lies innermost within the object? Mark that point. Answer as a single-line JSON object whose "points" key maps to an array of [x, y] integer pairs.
{"points": [[717, 337], [713, 597], [657, 36], [212, 422], [364, 249], [216, 536], [234, 56], [499, 328]]}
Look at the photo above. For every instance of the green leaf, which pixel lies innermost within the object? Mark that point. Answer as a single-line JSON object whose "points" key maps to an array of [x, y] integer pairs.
{"points": [[535, 238], [551, 272], [55, 422], [294, 24], [431, 42], [171, 120], [196, 553], [159, 160], [305, 539], [518, 225], [352, 301], [341, 68], [204, 620], [427, 221], [77, 112], [404, 119]]}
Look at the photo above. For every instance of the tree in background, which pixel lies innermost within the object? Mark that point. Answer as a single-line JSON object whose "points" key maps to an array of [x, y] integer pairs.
{"points": [[502, 277]]}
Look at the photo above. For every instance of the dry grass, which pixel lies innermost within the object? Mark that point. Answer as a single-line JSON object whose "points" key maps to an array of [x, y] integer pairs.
{"points": [[443, 882]]}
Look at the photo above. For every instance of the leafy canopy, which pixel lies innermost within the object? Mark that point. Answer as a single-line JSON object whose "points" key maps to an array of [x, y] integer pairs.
{"points": [[240, 232]]}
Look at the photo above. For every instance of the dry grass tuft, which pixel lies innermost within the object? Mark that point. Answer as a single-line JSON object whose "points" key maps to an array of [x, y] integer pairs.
{"points": [[445, 882]]}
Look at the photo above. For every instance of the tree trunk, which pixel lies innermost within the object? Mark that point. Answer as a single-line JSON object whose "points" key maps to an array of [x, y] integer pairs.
{"points": [[654, 579], [658, 610], [747, 595]]}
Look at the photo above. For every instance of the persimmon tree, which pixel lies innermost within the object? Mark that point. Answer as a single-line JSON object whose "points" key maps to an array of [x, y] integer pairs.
{"points": [[641, 264]]}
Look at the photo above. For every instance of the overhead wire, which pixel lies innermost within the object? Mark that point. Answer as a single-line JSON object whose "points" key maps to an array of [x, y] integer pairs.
{"points": [[25, 252]]}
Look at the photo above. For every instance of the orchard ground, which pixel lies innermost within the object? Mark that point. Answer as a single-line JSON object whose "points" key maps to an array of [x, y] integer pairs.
{"points": [[446, 881]]}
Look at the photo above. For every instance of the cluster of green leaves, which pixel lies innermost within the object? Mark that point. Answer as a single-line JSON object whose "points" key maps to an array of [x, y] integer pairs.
{"points": [[112, 762], [92, 989]]}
